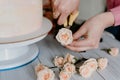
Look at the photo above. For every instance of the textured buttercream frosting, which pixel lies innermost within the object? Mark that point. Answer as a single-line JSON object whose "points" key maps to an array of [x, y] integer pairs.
{"points": [[19, 17]]}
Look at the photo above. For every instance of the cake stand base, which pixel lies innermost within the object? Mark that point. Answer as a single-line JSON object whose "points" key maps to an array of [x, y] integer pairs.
{"points": [[20, 51], [22, 56]]}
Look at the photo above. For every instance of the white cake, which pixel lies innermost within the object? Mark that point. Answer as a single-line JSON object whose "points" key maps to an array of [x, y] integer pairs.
{"points": [[19, 17]]}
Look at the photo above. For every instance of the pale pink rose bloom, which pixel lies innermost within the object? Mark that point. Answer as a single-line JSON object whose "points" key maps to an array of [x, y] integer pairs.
{"points": [[69, 58], [114, 51], [92, 63], [39, 67], [59, 61], [64, 36], [64, 75], [70, 68], [45, 74], [85, 71], [102, 63]]}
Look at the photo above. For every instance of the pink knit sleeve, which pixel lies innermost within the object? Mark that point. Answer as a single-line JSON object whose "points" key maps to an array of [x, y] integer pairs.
{"points": [[116, 12]]}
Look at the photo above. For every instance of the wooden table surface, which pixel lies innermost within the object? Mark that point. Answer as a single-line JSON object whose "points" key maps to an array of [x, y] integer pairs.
{"points": [[49, 48]]}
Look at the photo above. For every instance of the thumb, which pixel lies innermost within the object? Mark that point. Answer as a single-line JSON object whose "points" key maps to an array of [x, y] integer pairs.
{"points": [[82, 31]]}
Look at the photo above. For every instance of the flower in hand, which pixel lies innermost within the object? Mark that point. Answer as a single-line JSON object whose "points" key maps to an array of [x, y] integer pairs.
{"points": [[64, 36], [92, 31]]}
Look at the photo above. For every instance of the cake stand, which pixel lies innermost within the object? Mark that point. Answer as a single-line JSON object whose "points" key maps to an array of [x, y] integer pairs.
{"points": [[19, 51]]}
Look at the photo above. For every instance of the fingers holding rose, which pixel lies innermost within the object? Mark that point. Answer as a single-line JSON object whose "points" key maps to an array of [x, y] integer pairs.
{"points": [[62, 9], [83, 45]]}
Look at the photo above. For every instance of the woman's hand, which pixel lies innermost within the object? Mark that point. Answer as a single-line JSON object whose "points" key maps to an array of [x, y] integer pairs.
{"points": [[92, 31], [63, 8]]}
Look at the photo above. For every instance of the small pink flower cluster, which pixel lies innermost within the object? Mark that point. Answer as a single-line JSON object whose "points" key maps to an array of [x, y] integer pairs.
{"points": [[60, 61], [44, 73], [91, 65], [67, 66], [86, 69]]}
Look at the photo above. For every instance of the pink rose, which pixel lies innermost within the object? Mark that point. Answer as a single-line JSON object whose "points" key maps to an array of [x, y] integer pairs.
{"points": [[59, 61], [114, 51], [85, 71], [69, 58], [45, 74], [102, 63], [92, 63], [70, 68], [88, 67], [64, 75], [39, 67], [64, 36]]}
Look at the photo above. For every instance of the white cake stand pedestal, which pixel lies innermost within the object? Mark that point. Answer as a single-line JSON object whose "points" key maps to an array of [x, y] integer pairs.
{"points": [[22, 50]]}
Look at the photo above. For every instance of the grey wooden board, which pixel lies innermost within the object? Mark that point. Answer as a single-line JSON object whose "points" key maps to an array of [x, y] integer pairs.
{"points": [[49, 48]]}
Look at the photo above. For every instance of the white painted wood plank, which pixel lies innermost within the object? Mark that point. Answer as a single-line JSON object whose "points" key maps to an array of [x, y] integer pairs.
{"points": [[23, 73], [113, 70]]}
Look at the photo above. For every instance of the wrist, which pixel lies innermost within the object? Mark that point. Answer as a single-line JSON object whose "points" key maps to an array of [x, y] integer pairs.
{"points": [[106, 19]]}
